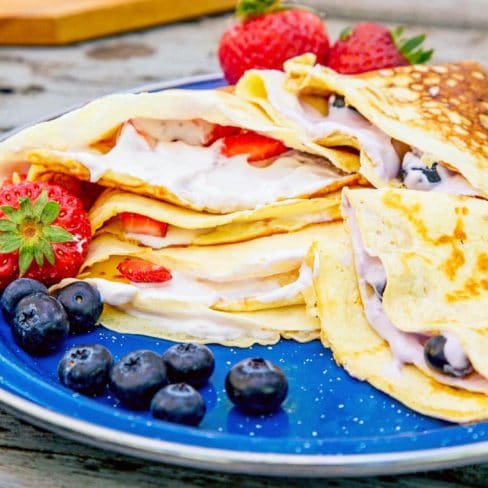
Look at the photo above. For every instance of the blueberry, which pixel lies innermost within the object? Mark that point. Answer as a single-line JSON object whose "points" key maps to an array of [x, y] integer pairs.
{"points": [[82, 303], [435, 357], [256, 386], [85, 368], [39, 324], [338, 101], [179, 403], [137, 377], [189, 363], [17, 290]]}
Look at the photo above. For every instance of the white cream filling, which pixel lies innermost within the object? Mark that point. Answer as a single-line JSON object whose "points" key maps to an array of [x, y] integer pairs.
{"points": [[406, 347], [175, 236], [206, 324], [188, 288], [201, 322], [193, 132], [373, 141], [450, 182], [205, 177]]}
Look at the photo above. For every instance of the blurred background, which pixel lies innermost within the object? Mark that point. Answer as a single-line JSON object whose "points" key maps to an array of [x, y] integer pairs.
{"points": [[175, 39]]}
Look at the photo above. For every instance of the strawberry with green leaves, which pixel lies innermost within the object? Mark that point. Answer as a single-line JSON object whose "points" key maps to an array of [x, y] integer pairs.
{"points": [[44, 233], [371, 46], [268, 34]]}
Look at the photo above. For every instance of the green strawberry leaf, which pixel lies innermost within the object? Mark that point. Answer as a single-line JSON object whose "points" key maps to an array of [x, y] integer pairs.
{"points": [[26, 256], [39, 205], [47, 250], [7, 226], [409, 47], [50, 212], [25, 207], [252, 8], [413, 43], [56, 234], [12, 213], [345, 33], [39, 256], [9, 242]]}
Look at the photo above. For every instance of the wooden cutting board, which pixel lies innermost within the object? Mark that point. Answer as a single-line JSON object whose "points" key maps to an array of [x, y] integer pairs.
{"points": [[65, 21]]}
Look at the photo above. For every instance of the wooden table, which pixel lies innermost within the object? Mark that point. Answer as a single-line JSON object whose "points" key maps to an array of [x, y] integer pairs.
{"points": [[39, 81]]}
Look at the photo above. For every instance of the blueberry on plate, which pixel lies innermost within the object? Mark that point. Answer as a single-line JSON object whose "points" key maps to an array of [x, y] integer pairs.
{"points": [[179, 403], [85, 368], [189, 363], [438, 358], [39, 324], [256, 386], [83, 304], [137, 377], [17, 290]]}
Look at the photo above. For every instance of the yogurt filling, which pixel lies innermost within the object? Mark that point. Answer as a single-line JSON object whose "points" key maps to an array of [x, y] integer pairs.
{"points": [[346, 120], [186, 288], [203, 176], [406, 347], [202, 322], [175, 236], [417, 175]]}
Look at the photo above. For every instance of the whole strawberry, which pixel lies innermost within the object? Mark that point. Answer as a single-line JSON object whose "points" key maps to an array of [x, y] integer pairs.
{"points": [[268, 35], [44, 233], [372, 46]]}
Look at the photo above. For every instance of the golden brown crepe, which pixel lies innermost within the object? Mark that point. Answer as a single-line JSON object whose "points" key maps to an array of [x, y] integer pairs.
{"points": [[439, 114], [187, 226], [432, 248], [151, 144], [233, 294]]}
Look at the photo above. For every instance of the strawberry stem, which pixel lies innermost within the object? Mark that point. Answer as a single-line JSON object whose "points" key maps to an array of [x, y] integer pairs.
{"points": [[28, 229], [247, 9]]}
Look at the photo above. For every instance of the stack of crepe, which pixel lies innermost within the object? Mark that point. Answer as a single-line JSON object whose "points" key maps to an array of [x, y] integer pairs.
{"points": [[261, 251]]}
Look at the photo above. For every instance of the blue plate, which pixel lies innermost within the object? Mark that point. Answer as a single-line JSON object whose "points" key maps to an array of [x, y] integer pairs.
{"points": [[329, 425]]}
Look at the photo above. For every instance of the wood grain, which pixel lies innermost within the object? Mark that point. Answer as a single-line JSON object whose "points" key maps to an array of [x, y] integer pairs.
{"points": [[31, 457], [61, 21]]}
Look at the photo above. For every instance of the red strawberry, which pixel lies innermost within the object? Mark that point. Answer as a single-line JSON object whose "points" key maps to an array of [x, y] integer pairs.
{"points": [[220, 131], [140, 271], [140, 224], [256, 146], [372, 46], [268, 36], [87, 192], [44, 233]]}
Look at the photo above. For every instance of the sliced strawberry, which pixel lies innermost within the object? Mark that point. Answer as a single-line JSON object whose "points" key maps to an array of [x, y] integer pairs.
{"points": [[140, 224], [140, 271], [219, 132], [256, 146]]}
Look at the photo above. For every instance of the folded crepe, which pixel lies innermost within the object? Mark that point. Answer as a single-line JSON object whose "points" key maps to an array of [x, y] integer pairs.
{"points": [[233, 294], [418, 127], [117, 212], [171, 146], [412, 267]]}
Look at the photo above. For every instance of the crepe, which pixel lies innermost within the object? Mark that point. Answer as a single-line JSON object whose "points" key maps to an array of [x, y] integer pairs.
{"points": [[188, 227], [413, 266], [162, 145], [236, 294], [421, 127]]}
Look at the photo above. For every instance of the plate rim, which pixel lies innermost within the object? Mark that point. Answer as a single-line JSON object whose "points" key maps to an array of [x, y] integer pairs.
{"points": [[225, 460]]}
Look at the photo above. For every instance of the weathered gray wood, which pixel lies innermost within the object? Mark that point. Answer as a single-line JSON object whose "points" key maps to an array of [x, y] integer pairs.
{"points": [[32, 457], [38, 81]]}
